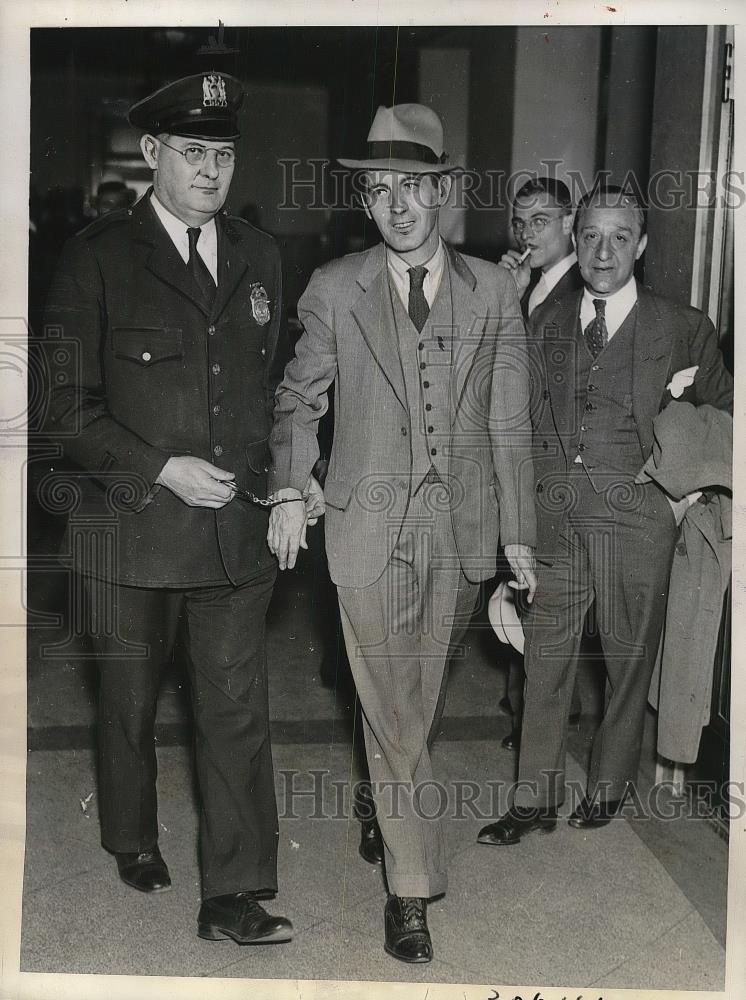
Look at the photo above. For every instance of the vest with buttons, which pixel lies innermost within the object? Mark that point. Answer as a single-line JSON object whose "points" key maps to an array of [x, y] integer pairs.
{"points": [[605, 431], [426, 364]]}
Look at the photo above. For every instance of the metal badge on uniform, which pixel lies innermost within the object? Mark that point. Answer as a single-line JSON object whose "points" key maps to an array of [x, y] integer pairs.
{"points": [[259, 304]]}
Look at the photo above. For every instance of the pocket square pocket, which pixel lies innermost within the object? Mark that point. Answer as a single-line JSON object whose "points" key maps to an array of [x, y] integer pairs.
{"points": [[682, 380]]}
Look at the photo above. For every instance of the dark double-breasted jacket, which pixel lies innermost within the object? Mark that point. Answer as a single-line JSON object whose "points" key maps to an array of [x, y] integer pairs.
{"points": [[151, 373]]}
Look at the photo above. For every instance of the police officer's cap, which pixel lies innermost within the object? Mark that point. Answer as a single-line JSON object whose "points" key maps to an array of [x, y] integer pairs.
{"points": [[202, 106]]}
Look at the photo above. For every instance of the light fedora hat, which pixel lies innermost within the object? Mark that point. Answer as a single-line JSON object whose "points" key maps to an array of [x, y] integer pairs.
{"points": [[504, 617], [406, 138]]}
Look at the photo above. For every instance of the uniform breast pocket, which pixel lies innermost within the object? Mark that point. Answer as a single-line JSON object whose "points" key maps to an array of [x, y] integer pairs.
{"points": [[147, 346]]}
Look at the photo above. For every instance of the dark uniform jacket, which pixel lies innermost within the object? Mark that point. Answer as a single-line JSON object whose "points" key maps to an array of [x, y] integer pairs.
{"points": [[153, 375]]}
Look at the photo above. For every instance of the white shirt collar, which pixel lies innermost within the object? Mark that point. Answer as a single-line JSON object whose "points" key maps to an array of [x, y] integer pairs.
{"points": [[553, 274], [207, 245], [399, 270], [618, 306]]}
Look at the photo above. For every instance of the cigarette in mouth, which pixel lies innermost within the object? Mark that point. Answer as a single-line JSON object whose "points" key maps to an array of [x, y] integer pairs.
{"points": [[525, 254]]}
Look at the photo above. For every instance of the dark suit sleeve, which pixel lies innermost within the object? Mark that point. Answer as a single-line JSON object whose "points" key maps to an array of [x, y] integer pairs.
{"points": [[301, 399], [510, 424], [713, 383], [78, 410]]}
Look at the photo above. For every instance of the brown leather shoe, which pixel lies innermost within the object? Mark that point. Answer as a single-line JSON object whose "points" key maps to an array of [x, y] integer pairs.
{"points": [[238, 915], [145, 871], [516, 823], [407, 936]]}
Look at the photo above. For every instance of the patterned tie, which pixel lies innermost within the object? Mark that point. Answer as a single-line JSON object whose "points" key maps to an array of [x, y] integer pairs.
{"points": [[419, 310], [596, 334], [199, 270]]}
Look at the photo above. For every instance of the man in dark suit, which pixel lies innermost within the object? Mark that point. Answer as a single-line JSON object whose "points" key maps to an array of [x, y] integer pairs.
{"points": [[607, 360], [542, 224], [541, 221], [430, 462], [176, 309]]}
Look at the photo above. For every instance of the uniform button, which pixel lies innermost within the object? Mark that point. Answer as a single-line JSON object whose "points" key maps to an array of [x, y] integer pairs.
{"points": [[211, 330], [428, 406], [423, 366], [430, 429], [216, 408], [426, 385], [216, 369], [264, 351], [591, 388], [404, 432], [594, 368], [217, 450], [433, 451], [589, 407], [420, 346], [540, 487], [146, 355], [581, 447]]}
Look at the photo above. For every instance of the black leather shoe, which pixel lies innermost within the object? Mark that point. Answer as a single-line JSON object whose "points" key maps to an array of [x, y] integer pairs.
{"points": [[515, 824], [591, 815], [371, 842], [145, 871], [513, 740], [239, 916], [407, 935]]}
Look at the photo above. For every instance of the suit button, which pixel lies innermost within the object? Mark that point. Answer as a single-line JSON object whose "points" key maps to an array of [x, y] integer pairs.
{"points": [[216, 369], [217, 451], [216, 408], [430, 429], [404, 432], [420, 346], [423, 366], [433, 451], [211, 330], [428, 406], [581, 447], [426, 385], [583, 427], [591, 388], [540, 487], [146, 355], [594, 368]]}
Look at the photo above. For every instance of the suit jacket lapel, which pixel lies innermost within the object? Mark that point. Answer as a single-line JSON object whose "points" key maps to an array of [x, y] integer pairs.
{"points": [[651, 360], [559, 339], [232, 263], [469, 320], [163, 259], [375, 317]]}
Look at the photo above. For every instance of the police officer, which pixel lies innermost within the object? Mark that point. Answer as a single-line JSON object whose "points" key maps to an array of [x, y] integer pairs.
{"points": [[176, 309]]}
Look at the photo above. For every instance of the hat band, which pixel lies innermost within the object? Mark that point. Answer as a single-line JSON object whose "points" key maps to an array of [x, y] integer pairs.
{"points": [[400, 150]]}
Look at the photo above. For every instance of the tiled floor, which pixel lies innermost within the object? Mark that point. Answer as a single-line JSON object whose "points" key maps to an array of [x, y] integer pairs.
{"points": [[636, 904]]}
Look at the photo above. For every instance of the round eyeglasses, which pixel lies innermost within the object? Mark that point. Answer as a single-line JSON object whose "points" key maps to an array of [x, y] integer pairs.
{"points": [[195, 155], [537, 225]]}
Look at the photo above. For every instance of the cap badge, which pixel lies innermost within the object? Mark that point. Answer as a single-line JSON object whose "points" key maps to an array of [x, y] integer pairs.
{"points": [[213, 91], [259, 304]]}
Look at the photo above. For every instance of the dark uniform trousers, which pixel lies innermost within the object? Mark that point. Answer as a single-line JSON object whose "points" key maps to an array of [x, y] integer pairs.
{"points": [[226, 664]]}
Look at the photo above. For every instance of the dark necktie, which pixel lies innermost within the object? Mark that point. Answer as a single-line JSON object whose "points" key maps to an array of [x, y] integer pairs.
{"points": [[199, 270], [596, 334], [419, 310]]}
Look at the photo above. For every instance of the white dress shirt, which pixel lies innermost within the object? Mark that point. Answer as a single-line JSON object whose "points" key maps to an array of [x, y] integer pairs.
{"points": [[207, 244], [549, 279], [618, 306], [398, 269]]}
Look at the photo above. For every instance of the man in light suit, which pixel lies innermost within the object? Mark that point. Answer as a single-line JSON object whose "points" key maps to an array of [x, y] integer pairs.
{"points": [[608, 359], [430, 464]]}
